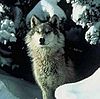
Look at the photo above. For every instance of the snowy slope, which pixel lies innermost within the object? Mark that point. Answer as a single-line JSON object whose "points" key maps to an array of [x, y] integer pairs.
{"points": [[88, 88], [5, 93], [13, 88]]}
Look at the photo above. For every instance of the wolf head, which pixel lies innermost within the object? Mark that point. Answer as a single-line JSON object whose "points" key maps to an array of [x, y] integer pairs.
{"points": [[45, 34]]}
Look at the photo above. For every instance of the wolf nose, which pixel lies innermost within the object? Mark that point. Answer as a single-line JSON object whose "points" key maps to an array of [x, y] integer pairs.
{"points": [[42, 40]]}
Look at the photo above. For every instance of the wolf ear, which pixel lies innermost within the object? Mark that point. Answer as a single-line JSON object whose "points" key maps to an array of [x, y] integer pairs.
{"points": [[55, 21], [34, 21]]}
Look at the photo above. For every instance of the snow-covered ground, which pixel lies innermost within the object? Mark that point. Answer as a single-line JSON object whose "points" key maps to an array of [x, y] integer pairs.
{"points": [[13, 88], [88, 88]]}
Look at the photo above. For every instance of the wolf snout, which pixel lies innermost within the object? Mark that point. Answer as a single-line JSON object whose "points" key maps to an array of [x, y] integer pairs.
{"points": [[42, 41]]}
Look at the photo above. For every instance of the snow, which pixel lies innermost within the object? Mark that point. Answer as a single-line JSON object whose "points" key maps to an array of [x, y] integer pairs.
{"points": [[13, 88], [87, 13], [92, 35], [77, 12], [1, 8], [5, 61], [5, 93], [44, 9], [7, 31], [7, 26], [86, 89]]}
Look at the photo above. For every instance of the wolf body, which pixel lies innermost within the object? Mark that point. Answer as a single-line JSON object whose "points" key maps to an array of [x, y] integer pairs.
{"points": [[46, 48]]}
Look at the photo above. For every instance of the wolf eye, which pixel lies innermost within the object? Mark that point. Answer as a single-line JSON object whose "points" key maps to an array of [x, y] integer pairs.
{"points": [[38, 30], [47, 31]]}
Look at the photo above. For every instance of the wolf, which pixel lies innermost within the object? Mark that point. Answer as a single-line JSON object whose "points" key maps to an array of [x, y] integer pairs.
{"points": [[45, 44]]}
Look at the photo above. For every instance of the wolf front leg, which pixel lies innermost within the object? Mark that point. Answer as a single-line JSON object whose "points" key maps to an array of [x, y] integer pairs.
{"points": [[48, 94]]}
